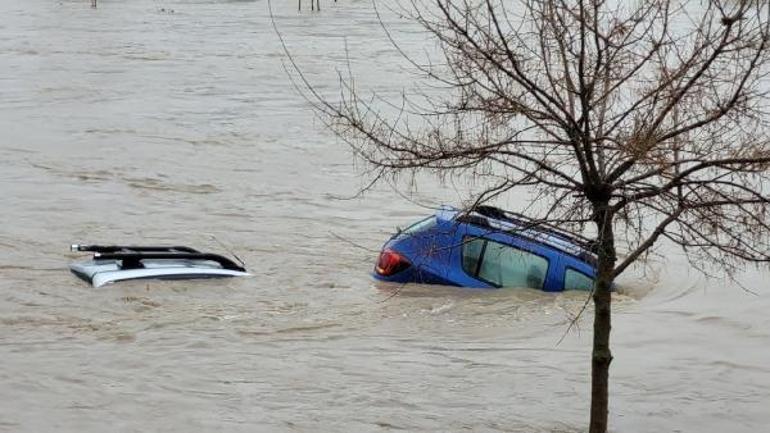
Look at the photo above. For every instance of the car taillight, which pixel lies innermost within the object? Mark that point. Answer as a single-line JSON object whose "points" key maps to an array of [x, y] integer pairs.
{"points": [[390, 263]]}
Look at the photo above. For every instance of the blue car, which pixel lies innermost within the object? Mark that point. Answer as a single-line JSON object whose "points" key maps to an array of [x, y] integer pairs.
{"points": [[487, 248]]}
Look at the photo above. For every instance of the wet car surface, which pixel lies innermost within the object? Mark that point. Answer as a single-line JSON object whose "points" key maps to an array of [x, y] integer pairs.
{"points": [[487, 248]]}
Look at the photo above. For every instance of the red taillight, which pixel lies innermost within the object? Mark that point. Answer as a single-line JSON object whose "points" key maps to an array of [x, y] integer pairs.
{"points": [[390, 263]]}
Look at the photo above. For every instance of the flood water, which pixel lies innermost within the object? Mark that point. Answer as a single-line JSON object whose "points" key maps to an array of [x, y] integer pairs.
{"points": [[173, 122]]}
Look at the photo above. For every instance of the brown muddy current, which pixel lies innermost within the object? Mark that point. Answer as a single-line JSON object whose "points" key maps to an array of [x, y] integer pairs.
{"points": [[172, 122]]}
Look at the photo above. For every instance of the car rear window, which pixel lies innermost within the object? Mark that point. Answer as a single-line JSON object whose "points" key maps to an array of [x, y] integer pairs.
{"points": [[574, 280], [503, 265], [420, 226]]}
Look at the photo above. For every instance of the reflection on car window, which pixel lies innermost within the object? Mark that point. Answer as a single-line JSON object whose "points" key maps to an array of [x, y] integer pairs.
{"points": [[574, 280], [503, 265], [420, 226]]}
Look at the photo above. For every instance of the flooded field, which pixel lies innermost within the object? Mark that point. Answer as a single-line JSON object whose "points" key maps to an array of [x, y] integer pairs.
{"points": [[173, 122]]}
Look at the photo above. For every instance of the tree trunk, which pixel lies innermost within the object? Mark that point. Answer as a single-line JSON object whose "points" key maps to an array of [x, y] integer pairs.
{"points": [[602, 357]]}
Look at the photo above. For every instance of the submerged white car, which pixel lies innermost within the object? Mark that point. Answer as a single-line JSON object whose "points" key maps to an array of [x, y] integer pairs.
{"points": [[114, 263]]}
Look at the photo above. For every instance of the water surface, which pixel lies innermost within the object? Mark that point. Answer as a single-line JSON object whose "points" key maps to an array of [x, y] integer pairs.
{"points": [[132, 123]]}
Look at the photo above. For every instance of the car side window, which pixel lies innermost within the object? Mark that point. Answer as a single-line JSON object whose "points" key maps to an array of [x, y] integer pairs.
{"points": [[504, 265], [574, 280], [472, 249]]}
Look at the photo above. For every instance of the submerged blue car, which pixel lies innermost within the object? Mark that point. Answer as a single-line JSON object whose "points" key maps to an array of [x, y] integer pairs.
{"points": [[487, 248]]}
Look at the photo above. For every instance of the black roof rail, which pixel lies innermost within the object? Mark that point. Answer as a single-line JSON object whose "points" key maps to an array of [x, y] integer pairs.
{"points": [[132, 260], [132, 248], [528, 222]]}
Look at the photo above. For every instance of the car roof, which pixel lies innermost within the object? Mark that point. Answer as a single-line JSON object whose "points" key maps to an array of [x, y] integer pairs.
{"points": [[514, 224], [112, 263]]}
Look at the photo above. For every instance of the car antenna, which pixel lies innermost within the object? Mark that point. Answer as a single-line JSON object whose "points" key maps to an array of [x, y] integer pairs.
{"points": [[230, 251]]}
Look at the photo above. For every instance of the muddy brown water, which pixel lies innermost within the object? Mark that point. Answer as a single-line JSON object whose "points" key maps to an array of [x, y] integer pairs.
{"points": [[172, 122]]}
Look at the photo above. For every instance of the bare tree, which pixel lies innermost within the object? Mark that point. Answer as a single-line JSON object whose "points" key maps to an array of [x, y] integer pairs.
{"points": [[643, 120]]}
